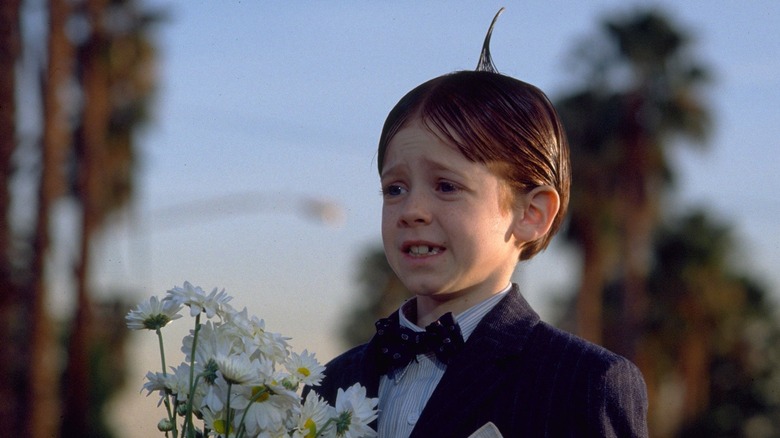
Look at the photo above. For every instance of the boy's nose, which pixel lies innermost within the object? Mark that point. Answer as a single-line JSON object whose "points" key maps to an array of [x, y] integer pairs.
{"points": [[415, 210]]}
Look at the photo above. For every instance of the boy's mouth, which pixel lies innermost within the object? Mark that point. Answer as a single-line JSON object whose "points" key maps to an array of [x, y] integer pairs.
{"points": [[423, 250]]}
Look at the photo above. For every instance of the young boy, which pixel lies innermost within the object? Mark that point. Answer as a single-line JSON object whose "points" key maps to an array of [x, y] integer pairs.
{"points": [[474, 167]]}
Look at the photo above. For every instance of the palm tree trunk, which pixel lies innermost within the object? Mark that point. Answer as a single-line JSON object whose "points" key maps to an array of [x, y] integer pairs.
{"points": [[91, 147], [43, 405], [590, 298], [10, 46], [9, 54], [638, 217]]}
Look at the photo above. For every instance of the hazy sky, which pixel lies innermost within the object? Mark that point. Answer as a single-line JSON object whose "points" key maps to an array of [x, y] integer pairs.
{"points": [[262, 105]]}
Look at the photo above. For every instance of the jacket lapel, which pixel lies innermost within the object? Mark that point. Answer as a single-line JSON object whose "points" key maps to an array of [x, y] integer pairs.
{"points": [[467, 382], [368, 367]]}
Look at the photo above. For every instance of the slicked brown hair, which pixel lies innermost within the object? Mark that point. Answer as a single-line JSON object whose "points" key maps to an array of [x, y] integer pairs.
{"points": [[507, 124]]}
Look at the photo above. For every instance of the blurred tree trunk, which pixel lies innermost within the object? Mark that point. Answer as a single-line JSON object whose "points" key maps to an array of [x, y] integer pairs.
{"points": [[10, 48], [595, 266], [640, 91], [9, 55], [381, 293], [704, 317], [639, 189], [94, 88], [116, 82], [590, 297], [44, 373], [91, 143]]}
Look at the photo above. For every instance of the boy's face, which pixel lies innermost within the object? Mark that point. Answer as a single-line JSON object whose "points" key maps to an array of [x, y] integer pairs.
{"points": [[444, 230]]}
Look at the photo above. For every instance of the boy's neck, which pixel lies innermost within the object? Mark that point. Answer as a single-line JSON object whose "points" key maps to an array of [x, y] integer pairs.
{"points": [[427, 309]]}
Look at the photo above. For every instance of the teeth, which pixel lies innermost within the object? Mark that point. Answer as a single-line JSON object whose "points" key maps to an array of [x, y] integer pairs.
{"points": [[423, 250]]}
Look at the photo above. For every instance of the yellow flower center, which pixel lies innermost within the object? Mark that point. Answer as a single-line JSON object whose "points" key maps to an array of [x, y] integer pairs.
{"points": [[220, 427], [311, 426], [263, 391], [305, 371]]}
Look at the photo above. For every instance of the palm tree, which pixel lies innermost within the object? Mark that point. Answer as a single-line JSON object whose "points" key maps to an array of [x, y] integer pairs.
{"points": [[641, 90], [85, 152], [56, 143], [381, 293], [116, 84], [10, 42], [702, 327]]}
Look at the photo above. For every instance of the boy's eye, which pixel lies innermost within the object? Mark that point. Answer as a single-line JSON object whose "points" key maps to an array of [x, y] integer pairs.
{"points": [[446, 187], [393, 190]]}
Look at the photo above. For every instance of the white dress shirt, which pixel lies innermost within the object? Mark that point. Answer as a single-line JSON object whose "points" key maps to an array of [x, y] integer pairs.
{"points": [[404, 392]]}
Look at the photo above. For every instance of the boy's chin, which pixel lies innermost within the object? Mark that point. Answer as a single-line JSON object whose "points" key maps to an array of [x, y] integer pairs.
{"points": [[420, 285], [428, 290]]}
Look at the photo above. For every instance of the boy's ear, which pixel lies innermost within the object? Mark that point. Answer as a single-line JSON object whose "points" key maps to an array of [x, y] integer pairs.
{"points": [[535, 212]]}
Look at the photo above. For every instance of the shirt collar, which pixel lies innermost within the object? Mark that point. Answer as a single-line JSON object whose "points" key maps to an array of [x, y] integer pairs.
{"points": [[468, 319]]}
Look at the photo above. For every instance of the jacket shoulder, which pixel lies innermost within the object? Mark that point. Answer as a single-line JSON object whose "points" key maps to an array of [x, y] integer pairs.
{"points": [[608, 388], [554, 341]]}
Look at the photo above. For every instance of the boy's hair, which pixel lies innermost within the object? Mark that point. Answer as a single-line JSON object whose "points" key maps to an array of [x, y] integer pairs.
{"points": [[507, 124]]}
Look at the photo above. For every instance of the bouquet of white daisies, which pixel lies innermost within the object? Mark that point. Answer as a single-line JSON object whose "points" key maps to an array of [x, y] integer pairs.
{"points": [[239, 380]]}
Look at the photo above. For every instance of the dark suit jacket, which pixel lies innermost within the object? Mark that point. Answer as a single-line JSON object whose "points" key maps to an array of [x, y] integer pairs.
{"points": [[527, 377]]}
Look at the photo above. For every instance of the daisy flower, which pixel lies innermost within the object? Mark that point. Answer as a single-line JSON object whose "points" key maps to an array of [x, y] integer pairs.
{"points": [[354, 412], [238, 369], [152, 314], [216, 396], [213, 341], [216, 423], [304, 368], [314, 416], [271, 411], [158, 382], [251, 331], [239, 378], [215, 303], [179, 384]]}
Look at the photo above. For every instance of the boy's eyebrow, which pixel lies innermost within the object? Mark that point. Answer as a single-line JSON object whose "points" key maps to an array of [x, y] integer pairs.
{"points": [[438, 166], [388, 170], [435, 165]]}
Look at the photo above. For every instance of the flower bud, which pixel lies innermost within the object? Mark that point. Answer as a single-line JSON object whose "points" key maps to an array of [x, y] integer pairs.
{"points": [[181, 409], [290, 383], [165, 425]]}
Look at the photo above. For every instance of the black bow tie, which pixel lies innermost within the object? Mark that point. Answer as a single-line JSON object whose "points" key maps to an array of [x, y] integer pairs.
{"points": [[397, 345]]}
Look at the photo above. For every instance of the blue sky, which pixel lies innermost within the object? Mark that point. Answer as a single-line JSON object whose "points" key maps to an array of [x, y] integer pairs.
{"points": [[262, 105]]}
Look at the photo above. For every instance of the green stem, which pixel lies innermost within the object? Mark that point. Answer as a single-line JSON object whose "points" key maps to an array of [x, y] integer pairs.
{"points": [[227, 411], [325, 427], [171, 414], [162, 351], [188, 424], [188, 415], [252, 400]]}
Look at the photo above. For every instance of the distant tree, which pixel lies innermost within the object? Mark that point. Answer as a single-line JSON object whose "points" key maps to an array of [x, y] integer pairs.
{"points": [[713, 332], [56, 141], [95, 62], [640, 90], [10, 305], [380, 293], [656, 288], [114, 60]]}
